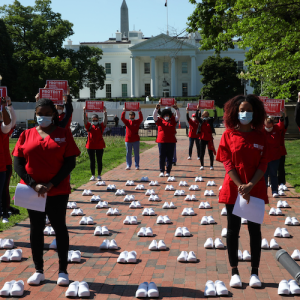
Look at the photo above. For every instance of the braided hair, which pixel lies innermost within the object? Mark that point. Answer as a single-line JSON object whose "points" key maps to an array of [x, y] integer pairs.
{"points": [[48, 102]]}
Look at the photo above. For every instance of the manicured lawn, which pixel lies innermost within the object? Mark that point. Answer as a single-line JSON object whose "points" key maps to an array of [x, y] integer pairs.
{"points": [[292, 164]]}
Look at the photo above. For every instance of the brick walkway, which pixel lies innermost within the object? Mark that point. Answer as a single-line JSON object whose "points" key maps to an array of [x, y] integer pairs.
{"points": [[109, 280]]}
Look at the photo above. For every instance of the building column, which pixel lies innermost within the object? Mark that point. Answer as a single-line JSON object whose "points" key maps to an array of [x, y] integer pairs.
{"points": [[193, 75], [132, 76], [153, 85], [173, 77]]}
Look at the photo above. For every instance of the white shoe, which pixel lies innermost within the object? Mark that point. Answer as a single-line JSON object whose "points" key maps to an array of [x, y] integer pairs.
{"points": [[110, 212], [171, 179], [189, 158], [5, 220], [240, 255], [220, 188], [113, 245], [104, 245], [178, 232], [254, 281], [5, 291], [145, 212], [83, 221], [198, 158], [296, 254], [153, 246], [235, 281], [244, 221], [132, 205], [183, 183], [79, 212], [211, 220], [288, 221], [99, 178], [167, 220], [151, 211], [285, 233], [131, 257], [201, 206], [36, 279], [201, 168], [280, 193], [275, 195], [142, 291], [224, 232], [63, 279], [161, 174], [278, 212], [161, 245], [210, 289], [272, 212], [166, 205], [152, 290], [98, 230], [204, 221], [153, 183], [206, 193], [145, 179], [122, 257], [72, 290], [294, 287], [17, 289], [167, 175], [6, 256], [127, 168], [279, 203], [295, 222], [182, 256], [142, 231], [224, 211], [160, 220], [193, 198], [264, 244], [221, 289], [92, 178], [172, 205], [149, 231], [185, 232], [127, 220], [211, 193], [285, 204], [219, 244], [198, 179], [133, 220], [211, 168], [89, 221], [116, 212], [16, 255], [209, 244], [283, 288], [185, 212], [246, 255], [83, 289], [277, 232], [101, 183], [273, 244], [192, 257], [191, 212], [207, 205]]}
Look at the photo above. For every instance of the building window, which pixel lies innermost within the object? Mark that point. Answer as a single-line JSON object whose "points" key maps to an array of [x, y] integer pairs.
{"points": [[124, 90], [184, 68], [108, 68], [240, 65], [123, 68], [147, 89], [108, 90], [165, 67], [146, 68], [92, 91], [184, 90]]}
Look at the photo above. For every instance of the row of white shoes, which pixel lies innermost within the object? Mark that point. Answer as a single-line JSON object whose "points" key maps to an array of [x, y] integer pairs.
{"points": [[95, 198], [112, 212], [129, 198], [101, 204], [153, 198], [199, 179], [147, 290], [179, 193], [148, 212], [209, 193], [288, 287], [12, 255], [77, 212], [204, 205], [291, 221], [101, 230], [107, 244], [120, 192], [184, 256], [275, 212], [71, 205], [282, 204], [140, 187], [127, 257], [111, 187], [188, 212], [87, 193], [129, 183], [190, 198], [74, 256], [145, 231], [86, 221], [207, 220], [135, 204], [130, 220], [150, 192], [210, 244], [211, 183], [154, 183], [6, 243], [281, 232], [194, 187], [80, 289], [216, 288], [101, 183], [169, 188], [183, 183], [160, 245], [49, 230], [166, 205], [171, 179], [282, 187], [182, 231], [163, 220], [13, 288]]}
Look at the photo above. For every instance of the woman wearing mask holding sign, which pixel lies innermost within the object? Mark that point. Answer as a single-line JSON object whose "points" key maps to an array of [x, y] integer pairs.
{"points": [[193, 136], [95, 143], [44, 157], [243, 151]]}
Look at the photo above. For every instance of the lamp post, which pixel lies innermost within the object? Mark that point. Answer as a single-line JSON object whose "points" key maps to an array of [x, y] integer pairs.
{"points": [[244, 81]]}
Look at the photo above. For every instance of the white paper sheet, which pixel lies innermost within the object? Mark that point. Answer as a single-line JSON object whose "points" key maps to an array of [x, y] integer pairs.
{"points": [[27, 197], [254, 211]]}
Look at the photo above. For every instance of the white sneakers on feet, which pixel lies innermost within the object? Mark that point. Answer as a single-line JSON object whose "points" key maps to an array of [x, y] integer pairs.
{"points": [[36, 279], [161, 174], [63, 279], [235, 281]]}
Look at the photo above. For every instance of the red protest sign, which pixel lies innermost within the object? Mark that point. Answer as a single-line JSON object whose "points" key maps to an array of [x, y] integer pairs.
{"points": [[281, 101], [55, 95], [272, 108], [3, 91], [206, 104], [58, 85], [132, 106], [167, 101], [94, 106], [192, 106]]}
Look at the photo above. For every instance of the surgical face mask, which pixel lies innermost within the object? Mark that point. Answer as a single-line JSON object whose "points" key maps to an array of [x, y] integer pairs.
{"points": [[245, 117], [95, 123], [269, 129], [60, 111], [194, 119], [167, 118], [44, 121], [205, 119]]}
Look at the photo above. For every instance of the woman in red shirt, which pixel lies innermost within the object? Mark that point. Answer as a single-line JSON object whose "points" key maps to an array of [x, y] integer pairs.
{"points": [[132, 138], [95, 143], [243, 151], [193, 136], [44, 157], [166, 136]]}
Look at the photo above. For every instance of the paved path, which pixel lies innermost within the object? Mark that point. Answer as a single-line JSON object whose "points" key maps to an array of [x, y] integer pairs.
{"points": [[109, 280]]}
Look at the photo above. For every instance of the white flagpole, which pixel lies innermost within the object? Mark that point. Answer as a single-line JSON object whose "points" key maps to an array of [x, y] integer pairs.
{"points": [[167, 19]]}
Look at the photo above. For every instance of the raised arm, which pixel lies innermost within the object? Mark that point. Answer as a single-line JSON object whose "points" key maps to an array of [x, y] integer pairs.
{"points": [[12, 112], [6, 124], [84, 117], [155, 112]]}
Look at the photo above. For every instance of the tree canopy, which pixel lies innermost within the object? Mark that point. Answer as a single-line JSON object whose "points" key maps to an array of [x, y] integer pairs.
{"points": [[269, 30]]}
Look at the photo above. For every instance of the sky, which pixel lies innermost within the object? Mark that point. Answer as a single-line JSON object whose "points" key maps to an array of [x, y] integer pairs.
{"points": [[98, 20]]}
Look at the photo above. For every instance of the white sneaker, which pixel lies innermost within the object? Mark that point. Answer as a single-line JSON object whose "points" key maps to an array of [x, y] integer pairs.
{"points": [[285, 233], [127, 220], [204, 221], [151, 211], [166, 205], [110, 212], [264, 244], [144, 213], [138, 204], [98, 230], [36, 279], [142, 231], [161, 245], [185, 212], [246, 255], [221, 288], [172, 205], [283, 288], [160, 220], [277, 232], [240, 255], [192, 257], [285, 204], [273, 244], [153, 245], [6, 256], [127, 168], [113, 245], [201, 205], [294, 287], [254, 281], [191, 212], [207, 205], [281, 193], [132, 205], [288, 221], [211, 220], [278, 212], [209, 244], [152, 290], [296, 254], [244, 221], [145, 179], [167, 174], [142, 291], [131, 257], [116, 212], [167, 220], [63, 279], [185, 232], [178, 232], [201, 168], [295, 222], [99, 178], [16, 255], [224, 211], [92, 178], [235, 281], [5, 291], [198, 158], [17, 289], [182, 256], [171, 179], [272, 212], [149, 231], [275, 195], [210, 289], [161, 174], [219, 244], [4, 220], [224, 232], [133, 220], [211, 168], [189, 158], [122, 257], [279, 204]]}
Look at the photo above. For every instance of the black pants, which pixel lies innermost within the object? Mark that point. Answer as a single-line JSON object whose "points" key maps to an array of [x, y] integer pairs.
{"points": [[203, 145], [281, 170], [99, 155], [56, 207], [233, 230], [5, 192], [166, 151], [197, 141]]}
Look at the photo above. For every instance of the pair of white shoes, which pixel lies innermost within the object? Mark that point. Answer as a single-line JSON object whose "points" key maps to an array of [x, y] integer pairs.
{"points": [[169, 206], [179, 193], [113, 212], [199, 179], [49, 230], [12, 255], [209, 193], [129, 198], [160, 245], [153, 183], [6, 243], [163, 220], [209, 244], [140, 187], [281, 232], [207, 220], [107, 244], [80, 289], [282, 187], [184, 256], [204, 205], [101, 230], [86, 221], [145, 179], [87, 193], [120, 193], [148, 212], [74, 256], [71, 205], [101, 204], [190, 198], [130, 220], [77, 212], [188, 212], [153, 198], [150, 192], [224, 211], [296, 254], [182, 231], [265, 244], [210, 183], [236, 282], [101, 183], [216, 288], [12, 288], [146, 290], [95, 198], [282, 204], [127, 257], [246, 256], [171, 179], [183, 183], [135, 204], [275, 212], [111, 187], [93, 178], [129, 182], [169, 188], [288, 287], [145, 231], [291, 221], [194, 187]]}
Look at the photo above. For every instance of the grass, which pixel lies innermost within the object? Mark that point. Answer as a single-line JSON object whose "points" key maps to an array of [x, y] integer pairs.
{"points": [[114, 155], [292, 163]]}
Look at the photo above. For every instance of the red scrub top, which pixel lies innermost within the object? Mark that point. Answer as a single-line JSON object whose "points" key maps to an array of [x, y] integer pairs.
{"points": [[193, 129], [95, 138], [206, 133], [166, 130], [45, 157], [246, 152], [61, 116], [132, 128], [5, 138], [282, 136]]}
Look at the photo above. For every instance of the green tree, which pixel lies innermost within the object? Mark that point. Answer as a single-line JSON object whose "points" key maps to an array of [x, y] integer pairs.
{"points": [[270, 30], [220, 79]]}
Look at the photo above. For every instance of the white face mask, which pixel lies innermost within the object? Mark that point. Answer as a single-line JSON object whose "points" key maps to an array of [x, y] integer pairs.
{"points": [[95, 123], [268, 129], [60, 111], [194, 119], [167, 118]]}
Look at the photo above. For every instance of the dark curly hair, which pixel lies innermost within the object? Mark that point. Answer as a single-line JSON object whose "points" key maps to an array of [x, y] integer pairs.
{"points": [[48, 102], [166, 112], [231, 110]]}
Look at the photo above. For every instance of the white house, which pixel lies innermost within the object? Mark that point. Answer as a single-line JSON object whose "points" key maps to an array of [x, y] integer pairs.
{"points": [[137, 66]]}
